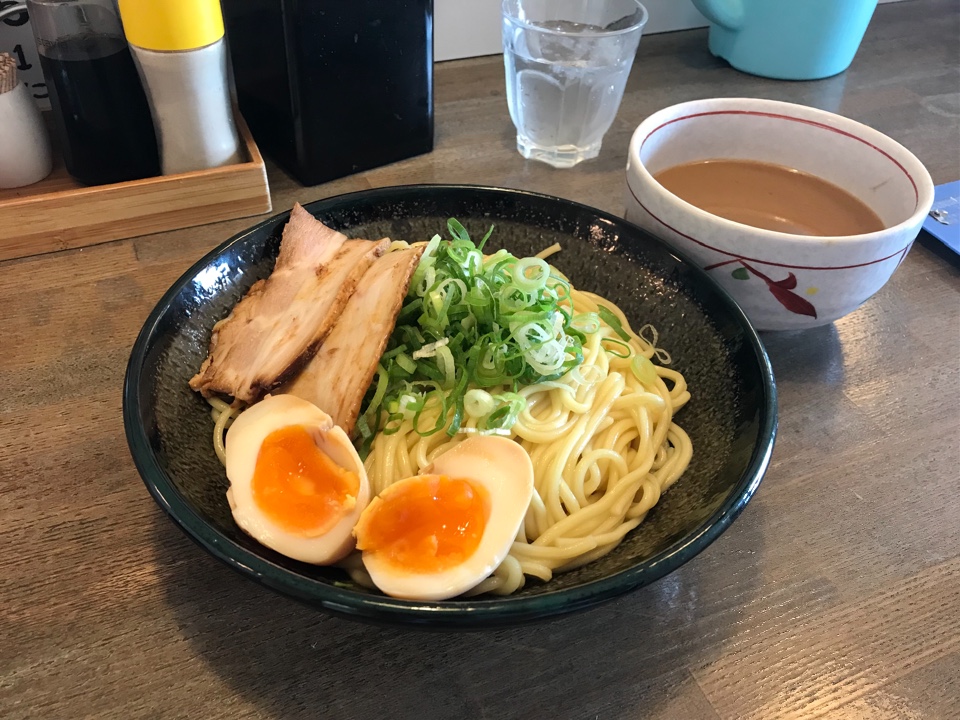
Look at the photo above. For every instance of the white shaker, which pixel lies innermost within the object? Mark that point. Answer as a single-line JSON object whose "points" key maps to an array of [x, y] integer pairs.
{"points": [[180, 53], [25, 156]]}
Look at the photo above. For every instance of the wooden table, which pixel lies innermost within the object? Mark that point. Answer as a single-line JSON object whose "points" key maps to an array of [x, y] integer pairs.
{"points": [[836, 594]]}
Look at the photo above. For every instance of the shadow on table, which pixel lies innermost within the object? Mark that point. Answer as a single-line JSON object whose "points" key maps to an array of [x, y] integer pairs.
{"points": [[806, 356], [626, 659]]}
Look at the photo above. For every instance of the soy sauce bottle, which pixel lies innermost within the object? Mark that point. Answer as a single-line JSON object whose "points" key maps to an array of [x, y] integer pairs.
{"points": [[100, 112]]}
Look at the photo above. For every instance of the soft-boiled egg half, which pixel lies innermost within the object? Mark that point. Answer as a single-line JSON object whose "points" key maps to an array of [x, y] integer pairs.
{"points": [[441, 533], [297, 484]]}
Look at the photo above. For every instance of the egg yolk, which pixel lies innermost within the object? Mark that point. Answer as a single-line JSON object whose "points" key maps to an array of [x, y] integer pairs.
{"points": [[298, 486], [425, 524]]}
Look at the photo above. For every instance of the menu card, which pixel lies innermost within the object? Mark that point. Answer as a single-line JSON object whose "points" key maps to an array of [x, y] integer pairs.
{"points": [[16, 38], [944, 219]]}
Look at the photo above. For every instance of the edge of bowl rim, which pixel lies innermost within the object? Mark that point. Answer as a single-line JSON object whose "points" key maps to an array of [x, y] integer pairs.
{"points": [[925, 187], [526, 24], [452, 614]]}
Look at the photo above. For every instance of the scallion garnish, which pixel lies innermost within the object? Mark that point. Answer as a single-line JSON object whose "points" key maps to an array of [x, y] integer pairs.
{"points": [[471, 323], [613, 321]]}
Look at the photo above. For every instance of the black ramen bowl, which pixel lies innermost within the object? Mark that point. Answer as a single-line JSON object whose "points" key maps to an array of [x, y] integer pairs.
{"points": [[731, 417]]}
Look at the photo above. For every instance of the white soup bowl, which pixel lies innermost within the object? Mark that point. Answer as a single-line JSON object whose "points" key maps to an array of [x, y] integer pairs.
{"points": [[782, 281]]}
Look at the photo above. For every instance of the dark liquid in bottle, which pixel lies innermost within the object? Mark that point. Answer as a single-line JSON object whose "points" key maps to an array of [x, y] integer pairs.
{"points": [[100, 110]]}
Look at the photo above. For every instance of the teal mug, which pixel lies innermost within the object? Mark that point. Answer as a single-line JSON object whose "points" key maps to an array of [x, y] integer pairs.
{"points": [[787, 39]]}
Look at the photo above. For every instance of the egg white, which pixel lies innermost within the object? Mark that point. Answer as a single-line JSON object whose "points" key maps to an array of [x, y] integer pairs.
{"points": [[243, 442]]}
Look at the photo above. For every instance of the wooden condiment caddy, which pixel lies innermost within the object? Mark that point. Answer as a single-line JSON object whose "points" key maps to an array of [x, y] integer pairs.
{"points": [[58, 213]]}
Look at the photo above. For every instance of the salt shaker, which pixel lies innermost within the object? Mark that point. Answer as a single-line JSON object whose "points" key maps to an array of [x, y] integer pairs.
{"points": [[25, 156], [179, 50]]}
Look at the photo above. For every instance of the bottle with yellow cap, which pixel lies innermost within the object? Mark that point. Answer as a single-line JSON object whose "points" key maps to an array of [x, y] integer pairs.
{"points": [[179, 49]]}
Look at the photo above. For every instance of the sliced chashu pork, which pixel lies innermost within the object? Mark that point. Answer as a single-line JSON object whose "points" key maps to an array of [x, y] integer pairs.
{"points": [[279, 324], [338, 376]]}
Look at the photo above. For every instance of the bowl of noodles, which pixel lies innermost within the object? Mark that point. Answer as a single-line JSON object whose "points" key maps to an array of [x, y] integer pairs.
{"points": [[636, 387]]}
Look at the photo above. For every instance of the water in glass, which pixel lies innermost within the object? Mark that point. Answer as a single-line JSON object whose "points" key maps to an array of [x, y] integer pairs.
{"points": [[564, 86]]}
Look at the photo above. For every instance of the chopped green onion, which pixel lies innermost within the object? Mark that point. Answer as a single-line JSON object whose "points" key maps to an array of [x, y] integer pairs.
{"points": [[624, 353], [586, 322], [390, 353], [469, 323], [440, 400], [505, 416], [478, 403], [446, 365], [405, 363], [430, 349], [531, 274], [457, 230], [607, 316], [364, 427], [643, 370], [383, 379], [485, 238], [587, 375]]}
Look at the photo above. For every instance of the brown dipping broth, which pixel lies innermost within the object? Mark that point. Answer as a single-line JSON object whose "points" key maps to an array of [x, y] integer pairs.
{"points": [[770, 197]]}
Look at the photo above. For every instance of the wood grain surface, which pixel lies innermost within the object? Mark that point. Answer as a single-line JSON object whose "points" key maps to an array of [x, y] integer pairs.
{"points": [[835, 595], [58, 213]]}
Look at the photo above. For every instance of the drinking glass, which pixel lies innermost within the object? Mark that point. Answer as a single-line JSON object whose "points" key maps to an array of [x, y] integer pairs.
{"points": [[567, 63]]}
